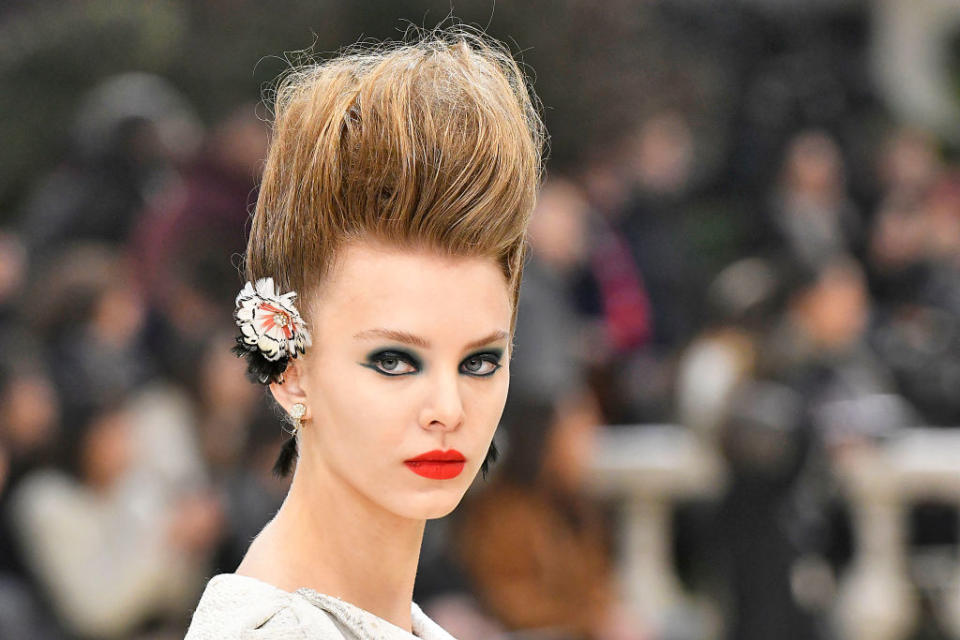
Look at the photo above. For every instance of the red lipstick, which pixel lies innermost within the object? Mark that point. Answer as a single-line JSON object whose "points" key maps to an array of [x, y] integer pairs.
{"points": [[436, 464]]}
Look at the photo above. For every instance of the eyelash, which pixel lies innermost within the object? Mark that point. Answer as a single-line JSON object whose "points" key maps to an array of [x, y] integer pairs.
{"points": [[492, 358]]}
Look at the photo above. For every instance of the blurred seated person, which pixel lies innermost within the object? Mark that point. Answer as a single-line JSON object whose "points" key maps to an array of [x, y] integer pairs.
{"points": [[29, 427], [740, 308], [111, 560], [534, 545]]}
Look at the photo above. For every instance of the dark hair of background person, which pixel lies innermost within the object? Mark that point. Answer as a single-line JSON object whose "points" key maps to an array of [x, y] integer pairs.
{"points": [[527, 421]]}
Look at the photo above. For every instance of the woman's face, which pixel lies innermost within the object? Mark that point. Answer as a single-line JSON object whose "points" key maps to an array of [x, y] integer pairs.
{"points": [[410, 354]]}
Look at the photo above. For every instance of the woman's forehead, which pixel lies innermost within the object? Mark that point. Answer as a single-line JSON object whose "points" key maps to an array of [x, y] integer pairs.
{"points": [[389, 287]]}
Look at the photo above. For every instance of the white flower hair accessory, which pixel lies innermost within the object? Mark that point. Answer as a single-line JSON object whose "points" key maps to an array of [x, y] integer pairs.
{"points": [[271, 330]]}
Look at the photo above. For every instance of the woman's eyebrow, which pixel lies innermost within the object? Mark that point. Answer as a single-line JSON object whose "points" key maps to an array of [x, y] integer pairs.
{"points": [[409, 338]]}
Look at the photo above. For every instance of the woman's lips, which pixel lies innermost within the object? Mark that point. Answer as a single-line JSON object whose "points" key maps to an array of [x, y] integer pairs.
{"points": [[438, 465]]}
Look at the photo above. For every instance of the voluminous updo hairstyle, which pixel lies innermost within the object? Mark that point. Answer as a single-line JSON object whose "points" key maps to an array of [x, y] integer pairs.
{"points": [[434, 142]]}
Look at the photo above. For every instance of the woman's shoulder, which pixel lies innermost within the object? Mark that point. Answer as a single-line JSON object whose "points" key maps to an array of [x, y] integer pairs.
{"points": [[238, 607]]}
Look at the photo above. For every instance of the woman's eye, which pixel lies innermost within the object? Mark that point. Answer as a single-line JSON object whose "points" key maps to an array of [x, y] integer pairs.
{"points": [[393, 364], [482, 364]]}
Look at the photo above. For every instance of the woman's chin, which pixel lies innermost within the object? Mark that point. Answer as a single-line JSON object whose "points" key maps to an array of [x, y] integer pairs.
{"points": [[429, 507]]}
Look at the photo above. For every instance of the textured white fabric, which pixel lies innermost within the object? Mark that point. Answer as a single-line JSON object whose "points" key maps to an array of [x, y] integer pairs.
{"points": [[236, 607]]}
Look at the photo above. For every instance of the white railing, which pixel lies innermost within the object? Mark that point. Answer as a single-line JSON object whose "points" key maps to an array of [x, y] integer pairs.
{"points": [[650, 467]]}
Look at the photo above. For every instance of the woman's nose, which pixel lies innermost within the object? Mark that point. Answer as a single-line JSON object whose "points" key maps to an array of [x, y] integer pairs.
{"points": [[443, 408]]}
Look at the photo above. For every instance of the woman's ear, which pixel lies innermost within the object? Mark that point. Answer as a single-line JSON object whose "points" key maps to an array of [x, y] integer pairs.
{"points": [[293, 388]]}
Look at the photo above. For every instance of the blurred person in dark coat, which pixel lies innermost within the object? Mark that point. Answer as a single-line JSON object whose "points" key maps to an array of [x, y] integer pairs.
{"points": [[812, 216], [815, 389], [13, 274], [660, 161], [186, 242], [206, 211], [759, 539], [553, 337], [642, 274], [90, 316], [915, 264], [131, 133], [820, 347]]}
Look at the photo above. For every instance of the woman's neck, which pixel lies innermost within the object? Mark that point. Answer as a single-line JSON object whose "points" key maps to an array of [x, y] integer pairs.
{"points": [[331, 538]]}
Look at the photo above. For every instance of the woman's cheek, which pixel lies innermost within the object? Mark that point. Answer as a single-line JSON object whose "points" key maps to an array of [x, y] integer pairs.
{"points": [[378, 411], [499, 399], [486, 408]]}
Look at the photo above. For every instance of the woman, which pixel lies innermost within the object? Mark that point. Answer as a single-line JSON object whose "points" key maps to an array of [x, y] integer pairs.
{"points": [[393, 208]]}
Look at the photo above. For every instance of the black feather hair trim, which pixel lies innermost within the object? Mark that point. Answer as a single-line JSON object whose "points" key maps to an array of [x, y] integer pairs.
{"points": [[284, 463], [492, 455], [259, 369]]}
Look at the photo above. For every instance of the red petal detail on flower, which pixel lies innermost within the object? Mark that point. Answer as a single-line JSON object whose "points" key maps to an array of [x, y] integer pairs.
{"points": [[268, 322]]}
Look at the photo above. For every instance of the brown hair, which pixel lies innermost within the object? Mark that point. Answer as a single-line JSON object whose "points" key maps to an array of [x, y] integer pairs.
{"points": [[435, 143]]}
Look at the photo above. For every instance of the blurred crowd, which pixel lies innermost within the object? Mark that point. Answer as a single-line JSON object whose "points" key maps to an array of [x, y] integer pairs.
{"points": [[793, 299]]}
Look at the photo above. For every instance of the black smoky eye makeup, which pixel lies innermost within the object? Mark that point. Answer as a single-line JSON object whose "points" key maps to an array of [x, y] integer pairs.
{"points": [[478, 360], [387, 360]]}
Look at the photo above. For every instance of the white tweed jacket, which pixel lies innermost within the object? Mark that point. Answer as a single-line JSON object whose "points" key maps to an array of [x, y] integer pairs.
{"points": [[236, 607]]}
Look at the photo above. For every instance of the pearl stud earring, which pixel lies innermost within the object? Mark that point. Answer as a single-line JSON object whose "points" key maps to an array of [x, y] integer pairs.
{"points": [[297, 411]]}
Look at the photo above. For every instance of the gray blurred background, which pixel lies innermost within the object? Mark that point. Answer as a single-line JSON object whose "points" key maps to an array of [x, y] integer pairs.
{"points": [[737, 374]]}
